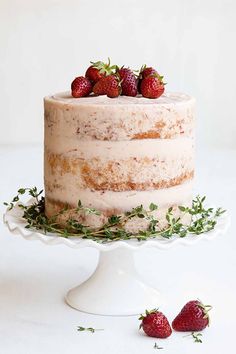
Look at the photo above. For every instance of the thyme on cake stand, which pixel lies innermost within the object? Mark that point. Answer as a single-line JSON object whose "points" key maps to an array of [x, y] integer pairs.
{"points": [[203, 220]]}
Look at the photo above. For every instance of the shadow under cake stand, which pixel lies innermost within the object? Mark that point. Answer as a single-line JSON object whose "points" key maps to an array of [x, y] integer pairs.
{"points": [[115, 287]]}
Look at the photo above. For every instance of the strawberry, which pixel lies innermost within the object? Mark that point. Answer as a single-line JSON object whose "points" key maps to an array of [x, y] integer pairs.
{"points": [[98, 70], [155, 324], [145, 72], [81, 87], [152, 86], [193, 317], [93, 74], [108, 85], [128, 82]]}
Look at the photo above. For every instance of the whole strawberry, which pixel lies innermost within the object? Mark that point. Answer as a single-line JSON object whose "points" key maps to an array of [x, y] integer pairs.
{"points": [[108, 85], [81, 87], [145, 72], [152, 86], [94, 74], [98, 70], [193, 317], [155, 324], [128, 82]]}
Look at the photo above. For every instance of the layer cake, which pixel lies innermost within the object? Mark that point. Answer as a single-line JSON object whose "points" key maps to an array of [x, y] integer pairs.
{"points": [[115, 154]]}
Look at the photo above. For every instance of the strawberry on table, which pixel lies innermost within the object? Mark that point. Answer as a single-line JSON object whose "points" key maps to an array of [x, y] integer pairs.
{"points": [[81, 87], [193, 317], [155, 324], [98, 70], [152, 86], [108, 85], [128, 82]]}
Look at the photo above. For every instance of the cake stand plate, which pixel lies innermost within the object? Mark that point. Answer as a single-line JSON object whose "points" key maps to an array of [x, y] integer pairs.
{"points": [[115, 287]]}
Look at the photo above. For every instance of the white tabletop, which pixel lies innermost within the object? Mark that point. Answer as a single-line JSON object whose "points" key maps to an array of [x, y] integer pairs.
{"points": [[34, 277]]}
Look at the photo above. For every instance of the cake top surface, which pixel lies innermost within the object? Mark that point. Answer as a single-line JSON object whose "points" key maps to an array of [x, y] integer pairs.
{"points": [[165, 99]]}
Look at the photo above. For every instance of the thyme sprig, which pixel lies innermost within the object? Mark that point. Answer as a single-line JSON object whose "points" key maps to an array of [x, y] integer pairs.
{"points": [[156, 346], [203, 219], [195, 336], [89, 329]]}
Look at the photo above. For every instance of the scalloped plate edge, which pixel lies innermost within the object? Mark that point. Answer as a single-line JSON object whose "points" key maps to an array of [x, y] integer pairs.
{"points": [[16, 225]]}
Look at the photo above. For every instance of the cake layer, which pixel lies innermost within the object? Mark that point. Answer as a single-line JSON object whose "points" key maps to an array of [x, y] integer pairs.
{"points": [[113, 150], [121, 166], [122, 118], [114, 203], [111, 202]]}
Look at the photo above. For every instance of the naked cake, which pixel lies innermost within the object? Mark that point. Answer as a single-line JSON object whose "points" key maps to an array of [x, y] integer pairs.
{"points": [[114, 154]]}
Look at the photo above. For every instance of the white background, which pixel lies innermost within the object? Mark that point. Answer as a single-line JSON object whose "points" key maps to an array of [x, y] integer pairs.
{"points": [[45, 44]]}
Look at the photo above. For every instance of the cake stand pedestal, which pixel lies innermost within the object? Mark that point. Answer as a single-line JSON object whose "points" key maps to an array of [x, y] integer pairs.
{"points": [[115, 287]]}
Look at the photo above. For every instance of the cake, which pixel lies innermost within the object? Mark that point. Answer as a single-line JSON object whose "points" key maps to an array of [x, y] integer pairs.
{"points": [[114, 154]]}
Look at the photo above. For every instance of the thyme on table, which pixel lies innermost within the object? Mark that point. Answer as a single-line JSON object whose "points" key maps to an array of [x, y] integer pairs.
{"points": [[89, 329], [195, 336], [156, 346], [203, 219]]}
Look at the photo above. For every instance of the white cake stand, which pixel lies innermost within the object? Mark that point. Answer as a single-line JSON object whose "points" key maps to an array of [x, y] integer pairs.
{"points": [[115, 287]]}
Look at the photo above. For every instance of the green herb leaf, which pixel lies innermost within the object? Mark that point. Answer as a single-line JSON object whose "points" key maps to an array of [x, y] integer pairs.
{"points": [[153, 206], [195, 336], [21, 191], [156, 346], [89, 329], [182, 208], [202, 220]]}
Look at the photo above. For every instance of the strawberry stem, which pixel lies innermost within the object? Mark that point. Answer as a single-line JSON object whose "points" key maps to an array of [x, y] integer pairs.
{"points": [[104, 68], [147, 312], [206, 309]]}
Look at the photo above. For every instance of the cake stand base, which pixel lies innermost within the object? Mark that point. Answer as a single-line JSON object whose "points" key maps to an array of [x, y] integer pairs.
{"points": [[114, 288]]}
